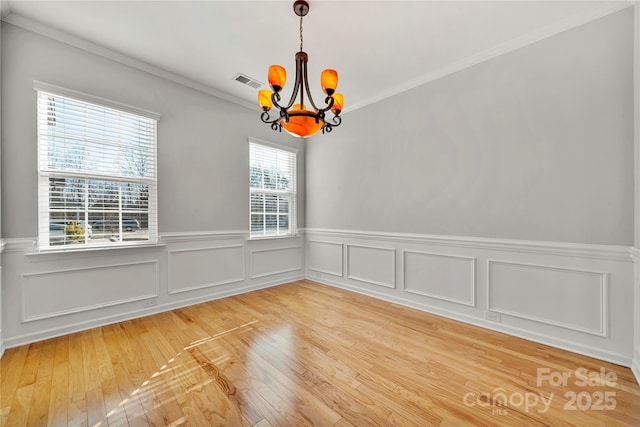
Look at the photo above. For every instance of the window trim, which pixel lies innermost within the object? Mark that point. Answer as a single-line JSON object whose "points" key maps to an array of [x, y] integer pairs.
{"points": [[293, 219], [46, 174]]}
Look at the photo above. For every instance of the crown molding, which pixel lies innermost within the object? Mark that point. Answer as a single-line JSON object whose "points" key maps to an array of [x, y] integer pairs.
{"points": [[501, 49], [71, 40], [558, 27]]}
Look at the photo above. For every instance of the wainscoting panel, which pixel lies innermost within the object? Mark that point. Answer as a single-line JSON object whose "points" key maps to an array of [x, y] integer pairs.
{"points": [[277, 260], [510, 286], [58, 293], [371, 264], [446, 277], [577, 297], [568, 298], [325, 257], [198, 268]]}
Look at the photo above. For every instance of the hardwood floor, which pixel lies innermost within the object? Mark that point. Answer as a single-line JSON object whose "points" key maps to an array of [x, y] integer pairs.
{"points": [[307, 354]]}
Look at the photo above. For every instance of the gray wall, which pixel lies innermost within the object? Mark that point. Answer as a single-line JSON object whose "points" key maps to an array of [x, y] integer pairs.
{"points": [[202, 140], [536, 144]]}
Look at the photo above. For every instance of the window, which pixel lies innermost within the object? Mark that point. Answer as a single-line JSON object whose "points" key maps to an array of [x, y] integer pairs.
{"points": [[272, 182], [96, 171]]}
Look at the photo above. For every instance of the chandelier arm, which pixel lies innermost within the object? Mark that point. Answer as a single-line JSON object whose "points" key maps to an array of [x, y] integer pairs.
{"points": [[329, 101], [266, 118], [306, 86], [275, 97], [300, 59], [275, 123], [335, 121]]}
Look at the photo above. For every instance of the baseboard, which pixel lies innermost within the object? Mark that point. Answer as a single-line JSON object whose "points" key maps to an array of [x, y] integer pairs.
{"points": [[618, 359], [635, 363], [121, 317]]}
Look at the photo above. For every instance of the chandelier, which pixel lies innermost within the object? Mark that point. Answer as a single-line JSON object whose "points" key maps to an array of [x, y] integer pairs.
{"points": [[297, 119]]}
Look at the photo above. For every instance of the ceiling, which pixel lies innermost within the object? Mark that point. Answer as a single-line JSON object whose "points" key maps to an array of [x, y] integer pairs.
{"points": [[379, 48]]}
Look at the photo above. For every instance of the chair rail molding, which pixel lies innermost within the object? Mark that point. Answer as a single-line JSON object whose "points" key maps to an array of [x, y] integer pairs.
{"points": [[583, 250]]}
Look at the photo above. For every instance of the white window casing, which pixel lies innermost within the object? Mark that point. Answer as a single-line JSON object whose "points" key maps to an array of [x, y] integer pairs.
{"points": [[97, 176], [272, 188]]}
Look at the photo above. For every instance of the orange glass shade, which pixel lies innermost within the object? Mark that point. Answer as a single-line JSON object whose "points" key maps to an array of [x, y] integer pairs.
{"points": [[329, 81], [302, 126], [338, 102], [264, 99], [277, 77]]}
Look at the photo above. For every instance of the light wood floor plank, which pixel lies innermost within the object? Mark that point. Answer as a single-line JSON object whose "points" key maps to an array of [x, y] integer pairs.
{"points": [[39, 408], [59, 385], [77, 404], [123, 359], [96, 413], [12, 365], [304, 354]]}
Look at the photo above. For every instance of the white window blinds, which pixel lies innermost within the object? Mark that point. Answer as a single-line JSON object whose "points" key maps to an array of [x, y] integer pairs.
{"points": [[272, 181], [97, 173]]}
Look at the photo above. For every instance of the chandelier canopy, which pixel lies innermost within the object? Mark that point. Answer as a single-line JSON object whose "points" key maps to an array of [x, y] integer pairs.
{"points": [[297, 118]]}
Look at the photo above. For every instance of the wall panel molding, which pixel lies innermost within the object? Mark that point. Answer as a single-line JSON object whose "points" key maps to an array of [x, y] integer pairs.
{"points": [[67, 287], [535, 290], [439, 278], [215, 270], [276, 260], [375, 265], [328, 260]]}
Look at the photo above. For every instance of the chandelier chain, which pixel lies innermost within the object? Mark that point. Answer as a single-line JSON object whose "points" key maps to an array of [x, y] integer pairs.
{"points": [[300, 33]]}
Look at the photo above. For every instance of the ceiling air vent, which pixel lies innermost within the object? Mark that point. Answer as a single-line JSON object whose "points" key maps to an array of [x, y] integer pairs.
{"points": [[244, 79]]}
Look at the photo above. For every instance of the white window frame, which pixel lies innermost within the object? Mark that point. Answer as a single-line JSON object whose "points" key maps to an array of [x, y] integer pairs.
{"points": [[290, 194], [45, 173]]}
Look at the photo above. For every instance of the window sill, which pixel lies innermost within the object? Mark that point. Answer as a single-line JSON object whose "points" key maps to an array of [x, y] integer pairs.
{"points": [[281, 236], [93, 249]]}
